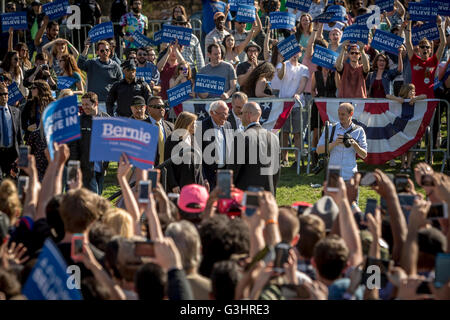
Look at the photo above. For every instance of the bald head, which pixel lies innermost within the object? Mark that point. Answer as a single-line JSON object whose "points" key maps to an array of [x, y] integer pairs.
{"points": [[251, 112]]}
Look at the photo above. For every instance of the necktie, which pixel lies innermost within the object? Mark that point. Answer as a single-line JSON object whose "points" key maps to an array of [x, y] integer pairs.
{"points": [[160, 143], [5, 135]]}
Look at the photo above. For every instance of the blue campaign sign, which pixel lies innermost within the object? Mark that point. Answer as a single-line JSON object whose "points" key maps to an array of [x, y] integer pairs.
{"points": [[428, 30], [355, 33], [61, 122], [333, 13], [211, 84], [385, 5], [362, 20], [140, 40], [282, 20], [56, 9], [65, 82], [101, 31], [180, 93], [302, 5], [49, 278], [245, 13], [172, 33], [288, 47], [14, 94], [113, 136], [145, 73], [235, 3], [422, 11], [324, 57], [443, 7], [157, 37], [15, 20], [386, 41]]}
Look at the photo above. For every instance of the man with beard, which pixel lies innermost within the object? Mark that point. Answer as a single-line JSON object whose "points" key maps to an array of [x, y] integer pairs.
{"points": [[218, 33], [424, 65], [133, 21], [142, 62], [138, 109]]}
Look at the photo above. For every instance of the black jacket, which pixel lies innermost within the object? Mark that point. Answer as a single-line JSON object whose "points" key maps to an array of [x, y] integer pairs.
{"points": [[123, 92], [209, 170], [16, 126], [251, 174], [180, 175], [232, 121], [80, 149]]}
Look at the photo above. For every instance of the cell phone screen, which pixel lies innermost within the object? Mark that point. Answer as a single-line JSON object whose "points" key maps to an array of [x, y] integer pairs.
{"points": [[281, 256], [72, 170], [144, 190], [144, 249], [22, 184], [437, 211], [368, 180], [332, 178], [406, 203], [23, 156], [401, 183], [224, 182], [78, 249], [251, 200], [153, 176], [442, 269], [371, 205]]}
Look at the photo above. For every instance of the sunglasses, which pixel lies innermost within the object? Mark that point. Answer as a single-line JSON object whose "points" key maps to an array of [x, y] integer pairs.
{"points": [[158, 106], [3, 93], [354, 53], [104, 50], [425, 47]]}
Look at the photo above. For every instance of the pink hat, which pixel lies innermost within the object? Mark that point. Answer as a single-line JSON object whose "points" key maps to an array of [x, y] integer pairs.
{"points": [[193, 198]]}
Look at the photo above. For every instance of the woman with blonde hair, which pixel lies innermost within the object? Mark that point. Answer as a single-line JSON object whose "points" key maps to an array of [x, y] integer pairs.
{"points": [[9, 201], [120, 221], [59, 47], [179, 148]]}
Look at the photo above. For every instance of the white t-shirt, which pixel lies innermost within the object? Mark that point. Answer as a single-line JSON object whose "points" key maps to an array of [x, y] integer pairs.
{"points": [[276, 82], [291, 80]]}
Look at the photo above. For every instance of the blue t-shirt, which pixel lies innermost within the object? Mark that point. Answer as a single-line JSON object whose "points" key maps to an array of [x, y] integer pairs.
{"points": [[209, 9]]}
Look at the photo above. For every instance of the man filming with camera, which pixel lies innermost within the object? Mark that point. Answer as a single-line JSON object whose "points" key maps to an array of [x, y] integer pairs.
{"points": [[345, 142]]}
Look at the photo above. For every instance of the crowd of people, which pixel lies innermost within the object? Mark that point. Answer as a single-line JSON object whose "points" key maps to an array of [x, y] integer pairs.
{"points": [[204, 243]]}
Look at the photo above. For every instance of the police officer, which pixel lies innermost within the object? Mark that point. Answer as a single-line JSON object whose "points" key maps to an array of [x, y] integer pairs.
{"points": [[124, 90]]}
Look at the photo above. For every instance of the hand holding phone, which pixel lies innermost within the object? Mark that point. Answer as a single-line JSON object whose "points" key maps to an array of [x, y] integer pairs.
{"points": [[22, 185], [72, 170], [144, 249], [368, 180], [154, 177], [144, 190], [250, 202], [371, 206], [281, 257]]}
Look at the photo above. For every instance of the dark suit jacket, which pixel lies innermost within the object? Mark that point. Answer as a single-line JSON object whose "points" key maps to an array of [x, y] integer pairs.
{"points": [[251, 174], [13, 152], [179, 175], [168, 128], [232, 120], [209, 170], [80, 149]]}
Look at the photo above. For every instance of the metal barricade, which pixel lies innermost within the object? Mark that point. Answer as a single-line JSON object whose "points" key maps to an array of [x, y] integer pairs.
{"points": [[429, 148]]}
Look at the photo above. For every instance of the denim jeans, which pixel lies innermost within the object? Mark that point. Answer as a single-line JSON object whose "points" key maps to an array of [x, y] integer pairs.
{"points": [[96, 183]]}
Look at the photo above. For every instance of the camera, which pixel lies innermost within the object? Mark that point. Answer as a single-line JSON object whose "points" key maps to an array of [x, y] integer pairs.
{"points": [[45, 67], [346, 140]]}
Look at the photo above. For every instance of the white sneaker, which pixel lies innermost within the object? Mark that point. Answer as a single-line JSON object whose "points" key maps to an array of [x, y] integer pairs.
{"points": [[392, 163]]}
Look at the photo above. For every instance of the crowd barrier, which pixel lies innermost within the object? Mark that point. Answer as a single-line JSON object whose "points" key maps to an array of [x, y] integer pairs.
{"points": [[429, 149]]}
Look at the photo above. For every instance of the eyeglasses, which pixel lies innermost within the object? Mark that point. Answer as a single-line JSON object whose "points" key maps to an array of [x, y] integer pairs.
{"points": [[425, 47], [3, 93], [104, 50], [223, 114], [158, 106], [354, 52]]}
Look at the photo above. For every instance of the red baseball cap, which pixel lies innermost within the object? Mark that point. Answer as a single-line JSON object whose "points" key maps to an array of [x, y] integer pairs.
{"points": [[193, 198]]}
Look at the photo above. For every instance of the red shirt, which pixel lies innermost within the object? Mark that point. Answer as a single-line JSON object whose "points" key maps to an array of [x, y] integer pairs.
{"points": [[166, 74], [377, 90], [353, 82], [423, 74]]}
